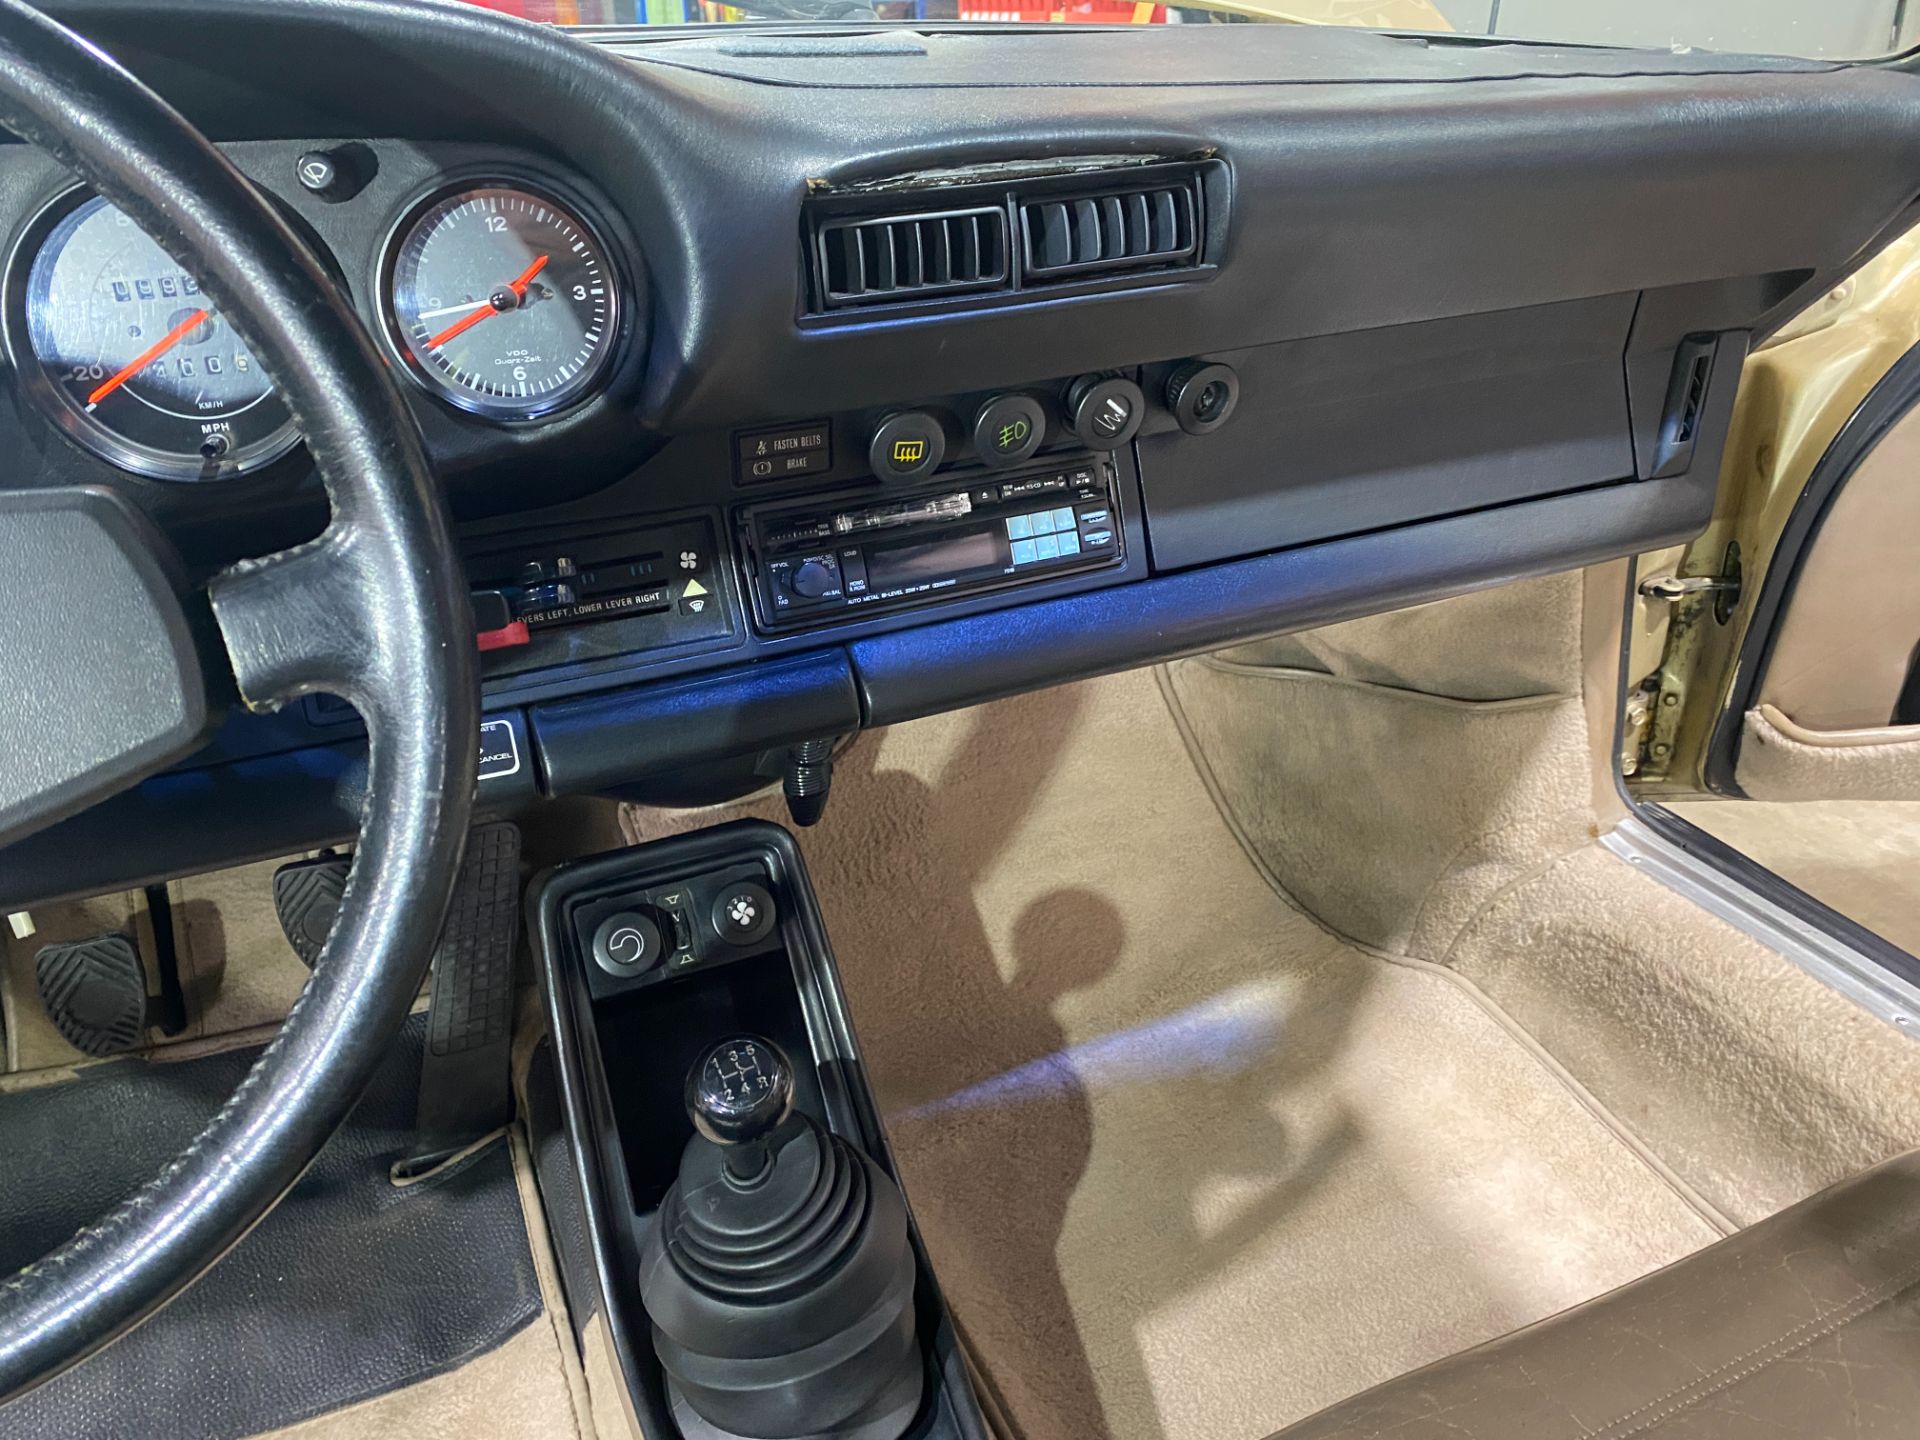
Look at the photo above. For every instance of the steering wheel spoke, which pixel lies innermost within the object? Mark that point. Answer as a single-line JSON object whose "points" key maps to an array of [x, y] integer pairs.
{"points": [[297, 622], [104, 676]]}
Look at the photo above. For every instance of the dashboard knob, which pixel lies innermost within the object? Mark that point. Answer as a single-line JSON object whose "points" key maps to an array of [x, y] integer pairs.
{"points": [[907, 446], [1106, 410], [337, 174], [743, 913], [627, 943], [1008, 429], [810, 580], [1202, 395]]}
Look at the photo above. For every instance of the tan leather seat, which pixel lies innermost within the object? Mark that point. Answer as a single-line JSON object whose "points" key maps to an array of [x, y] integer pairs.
{"points": [[1806, 1325]]}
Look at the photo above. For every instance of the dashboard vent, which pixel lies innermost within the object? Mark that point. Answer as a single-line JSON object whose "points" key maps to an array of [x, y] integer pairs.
{"points": [[1086, 235], [903, 257]]}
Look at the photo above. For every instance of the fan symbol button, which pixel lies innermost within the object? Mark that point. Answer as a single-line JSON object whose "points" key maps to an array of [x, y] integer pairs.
{"points": [[689, 560], [743, 914]]}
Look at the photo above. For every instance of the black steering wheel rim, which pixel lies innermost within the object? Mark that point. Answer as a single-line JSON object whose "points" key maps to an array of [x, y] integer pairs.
{"points": [[373, 610]]}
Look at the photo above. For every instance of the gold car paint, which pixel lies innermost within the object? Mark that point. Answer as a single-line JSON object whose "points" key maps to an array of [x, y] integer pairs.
{"points": [[1798, 390]]}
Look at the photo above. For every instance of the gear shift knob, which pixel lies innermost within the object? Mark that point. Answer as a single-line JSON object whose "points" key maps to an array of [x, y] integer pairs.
{"points": [[738, 1093]]}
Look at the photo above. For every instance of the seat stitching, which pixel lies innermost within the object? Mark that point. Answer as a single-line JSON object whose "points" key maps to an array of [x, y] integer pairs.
{"points": [[1797, 1338]]}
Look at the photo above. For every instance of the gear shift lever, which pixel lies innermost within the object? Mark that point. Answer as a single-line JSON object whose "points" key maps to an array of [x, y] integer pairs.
{"points": [[737, 1095], [779, 1274]]}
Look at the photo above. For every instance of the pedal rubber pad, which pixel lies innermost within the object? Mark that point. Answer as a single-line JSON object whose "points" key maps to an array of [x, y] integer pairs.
{"points": [[95, 991], [306, 896]]}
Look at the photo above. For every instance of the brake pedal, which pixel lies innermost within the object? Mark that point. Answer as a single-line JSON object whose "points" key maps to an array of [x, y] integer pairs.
{"points": [[95, 992], [306, 896], [465, 1076]]}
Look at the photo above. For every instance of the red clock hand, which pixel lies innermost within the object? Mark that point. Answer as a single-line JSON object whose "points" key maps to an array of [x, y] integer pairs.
{"points": [[486, 307]]}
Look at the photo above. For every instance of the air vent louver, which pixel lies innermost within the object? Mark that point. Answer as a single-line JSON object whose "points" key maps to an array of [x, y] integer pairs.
{"points": [[1085, 235], [903, 257]]}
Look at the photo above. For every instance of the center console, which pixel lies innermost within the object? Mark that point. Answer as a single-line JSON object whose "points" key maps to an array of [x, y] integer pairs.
{"points": [[725, 1208]]}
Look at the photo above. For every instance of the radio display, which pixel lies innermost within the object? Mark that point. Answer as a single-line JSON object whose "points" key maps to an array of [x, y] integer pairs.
{"points": [[897, 566]]}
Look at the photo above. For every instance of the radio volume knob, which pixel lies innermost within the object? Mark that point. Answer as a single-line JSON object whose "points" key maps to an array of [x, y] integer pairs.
{"points": [[811, 580]]}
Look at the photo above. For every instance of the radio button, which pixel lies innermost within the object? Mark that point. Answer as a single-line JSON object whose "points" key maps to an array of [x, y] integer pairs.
{"points": [[1069, 544], [1093, 517], [1024, 553], [1019, 527], [1063, 518], [1095, 539], [853, 572], [1047, 547]]}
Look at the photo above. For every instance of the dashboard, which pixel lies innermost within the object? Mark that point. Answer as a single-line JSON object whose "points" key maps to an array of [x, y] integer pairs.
{"points": [[789, 381]]}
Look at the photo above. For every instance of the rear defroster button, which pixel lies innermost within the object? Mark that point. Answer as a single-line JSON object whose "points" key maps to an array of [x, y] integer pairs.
{"points": [[743, 913], [907, 446]]}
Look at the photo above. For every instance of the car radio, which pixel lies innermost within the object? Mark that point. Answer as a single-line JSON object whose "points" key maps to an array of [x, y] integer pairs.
{"points": [[826, 559]]}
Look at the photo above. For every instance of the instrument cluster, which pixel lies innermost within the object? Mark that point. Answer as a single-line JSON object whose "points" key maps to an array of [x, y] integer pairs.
{"points": [[493, 294]]}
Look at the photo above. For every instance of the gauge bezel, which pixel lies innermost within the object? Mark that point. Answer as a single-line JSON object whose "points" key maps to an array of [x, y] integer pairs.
{"points": [[51, 400], [578, 208]]}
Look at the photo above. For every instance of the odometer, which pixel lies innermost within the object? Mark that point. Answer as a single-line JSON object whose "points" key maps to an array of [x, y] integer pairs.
{"points": [[129, 357], [503, 301]]}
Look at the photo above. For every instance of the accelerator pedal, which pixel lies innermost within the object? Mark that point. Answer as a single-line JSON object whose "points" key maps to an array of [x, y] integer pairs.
{"points": [[466, 1074], [95, 992], [306, 896]]}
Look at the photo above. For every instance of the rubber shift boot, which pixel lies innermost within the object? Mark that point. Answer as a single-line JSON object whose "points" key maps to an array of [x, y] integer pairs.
{"points": [[784, 1308], [95, 992]]}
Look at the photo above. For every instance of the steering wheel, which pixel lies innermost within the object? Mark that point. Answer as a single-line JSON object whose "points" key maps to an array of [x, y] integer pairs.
{"points": [[373, 611]]}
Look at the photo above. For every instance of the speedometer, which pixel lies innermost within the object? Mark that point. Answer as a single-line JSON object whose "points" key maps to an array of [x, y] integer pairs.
{"points": [[503, 301], [127, 355]]}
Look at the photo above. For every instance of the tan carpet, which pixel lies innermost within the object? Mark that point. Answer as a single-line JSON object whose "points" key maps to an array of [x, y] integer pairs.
{"points": [[1746, 1075], [1188, 1165], [1862, 857], [1423, 782]]}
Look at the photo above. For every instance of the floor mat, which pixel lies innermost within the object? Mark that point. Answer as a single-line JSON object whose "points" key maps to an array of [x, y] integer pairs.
{"points": [[1861, 857], [351, 1288], [1187, 1165]]}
